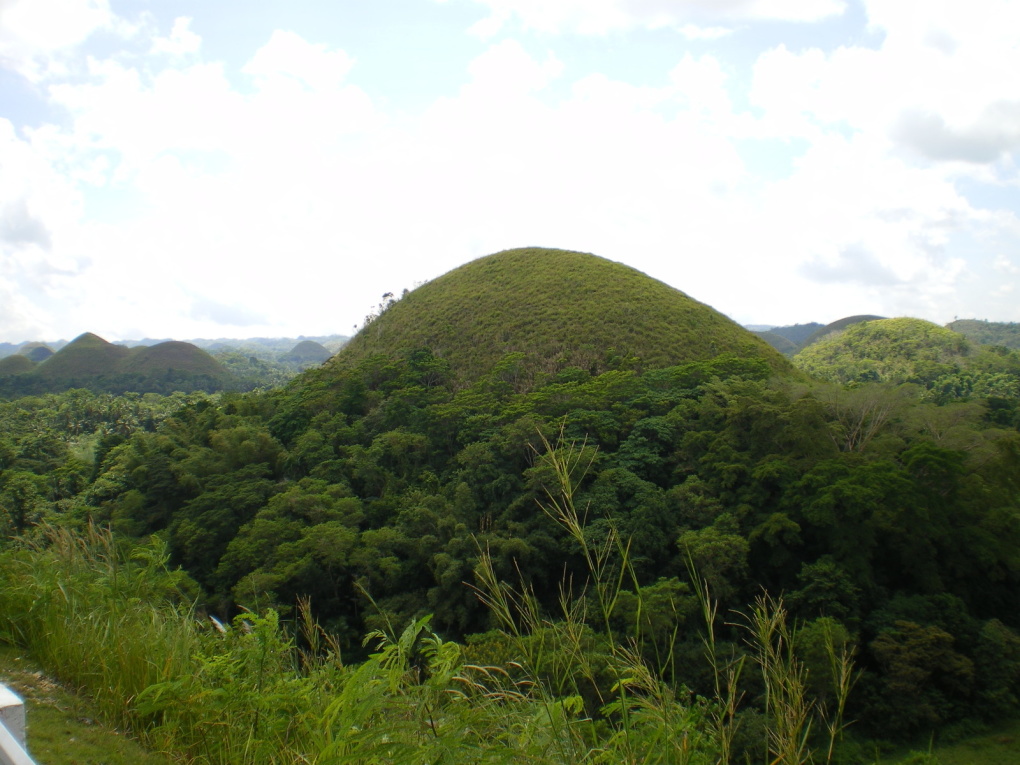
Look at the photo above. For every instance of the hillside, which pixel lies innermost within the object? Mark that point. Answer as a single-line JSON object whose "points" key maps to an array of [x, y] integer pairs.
{"points": [[797, 333], [560, 309], [392, 489]]}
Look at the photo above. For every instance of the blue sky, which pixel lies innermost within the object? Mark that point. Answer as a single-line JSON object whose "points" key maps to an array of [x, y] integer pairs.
{"points": [[232, 169]]}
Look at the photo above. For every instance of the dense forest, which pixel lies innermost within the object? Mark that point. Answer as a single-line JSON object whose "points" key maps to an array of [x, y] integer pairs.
{"points": [[597, 503]]}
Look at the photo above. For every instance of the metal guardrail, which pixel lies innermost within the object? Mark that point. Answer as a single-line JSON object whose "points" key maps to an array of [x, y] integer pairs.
{"points": [[12, 729]]}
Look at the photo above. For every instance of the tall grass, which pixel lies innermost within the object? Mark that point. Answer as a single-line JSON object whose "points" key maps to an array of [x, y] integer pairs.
{"points": [[642, 719], [84, 610]]}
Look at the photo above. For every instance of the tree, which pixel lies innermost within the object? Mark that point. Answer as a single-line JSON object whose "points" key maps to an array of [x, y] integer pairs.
{"points": [[22, 499], [924, 681]]}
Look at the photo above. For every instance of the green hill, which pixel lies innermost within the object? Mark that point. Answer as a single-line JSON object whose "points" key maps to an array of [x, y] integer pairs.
{"points": [[306, 353], [797, 333], [179, 356], [560, 309], [16, 364], [948, 365], [886, 350], [88, 355]]}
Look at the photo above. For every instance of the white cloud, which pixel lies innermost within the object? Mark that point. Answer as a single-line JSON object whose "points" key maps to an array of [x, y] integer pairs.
{"points": [[39, 210], [702, 84], [940, 84], [36, 36], [1006, 265], [181, 40], [47, 25], [288, 55], [994, 133], [600, 17], [695, 32]]}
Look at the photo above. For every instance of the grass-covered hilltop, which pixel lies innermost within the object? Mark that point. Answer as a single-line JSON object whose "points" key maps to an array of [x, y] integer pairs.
{"points": [[543, 509], [559, 309]]}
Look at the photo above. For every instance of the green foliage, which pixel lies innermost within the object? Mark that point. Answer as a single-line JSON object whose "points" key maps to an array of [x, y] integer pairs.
{"points": [[945, 363], [70, 600], [922, 676]]}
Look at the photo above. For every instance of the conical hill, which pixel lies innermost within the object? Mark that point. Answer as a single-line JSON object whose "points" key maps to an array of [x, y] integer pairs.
{"points": [[16, 364], [560, 309], [172, 354], [307, 352], [88, 355], [36, 351]]}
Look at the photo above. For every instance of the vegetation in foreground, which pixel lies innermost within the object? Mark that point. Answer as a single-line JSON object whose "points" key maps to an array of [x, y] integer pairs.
{"points": [[259, 691], [254, 693], [63, 728], [372, 480]]}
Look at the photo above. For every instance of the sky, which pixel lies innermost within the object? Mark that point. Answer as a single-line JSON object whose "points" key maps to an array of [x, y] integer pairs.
{"points": [[241, 168]]}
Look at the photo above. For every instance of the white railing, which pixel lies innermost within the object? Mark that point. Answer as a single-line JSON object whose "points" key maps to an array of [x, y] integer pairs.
{"points": [[12, 729]]}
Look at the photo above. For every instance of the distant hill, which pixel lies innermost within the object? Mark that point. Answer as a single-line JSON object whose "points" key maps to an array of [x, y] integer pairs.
{"points": [[797, 333], [88, 355], [306, 353], [789, 339], [91, 362], [1006, 334], [558, 309], [16, 364], [266, 348], [836, 326], [248, 363], [36, 351], [174, 354], [9, 349], [885, 350], [782, 344]]}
